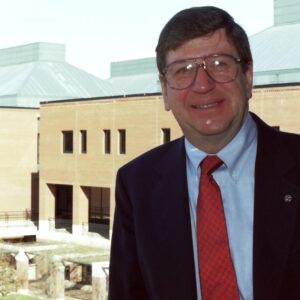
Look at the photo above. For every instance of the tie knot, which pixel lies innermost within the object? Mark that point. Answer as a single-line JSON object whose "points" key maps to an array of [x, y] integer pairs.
{"points": [[210, 163]]}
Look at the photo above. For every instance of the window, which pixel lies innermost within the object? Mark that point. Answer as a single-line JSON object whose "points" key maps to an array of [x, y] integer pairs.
{"points": [[122, 141], [166, 135], [38, 148], [67, 142], [38, 141], [107, 141], [83, 141]]}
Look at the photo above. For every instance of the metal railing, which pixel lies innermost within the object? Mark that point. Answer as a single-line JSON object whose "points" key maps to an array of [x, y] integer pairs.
{"points": [[24, 217], [101, 213]]}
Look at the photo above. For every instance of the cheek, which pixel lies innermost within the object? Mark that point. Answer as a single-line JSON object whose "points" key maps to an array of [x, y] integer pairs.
{"points": [[240, 93], [175, 99]]}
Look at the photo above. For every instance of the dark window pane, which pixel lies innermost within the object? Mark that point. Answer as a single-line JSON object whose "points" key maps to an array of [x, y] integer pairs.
{"points": [[83, 140], [122, 141], [166, 135], [107, 141], [67, 141]]}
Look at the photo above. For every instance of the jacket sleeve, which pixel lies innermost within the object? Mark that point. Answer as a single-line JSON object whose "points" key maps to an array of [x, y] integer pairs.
{"points": [[125, 278]]}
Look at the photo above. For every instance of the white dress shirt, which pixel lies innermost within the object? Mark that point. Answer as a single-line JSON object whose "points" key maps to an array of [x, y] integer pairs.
{"points": [[236, 181]]}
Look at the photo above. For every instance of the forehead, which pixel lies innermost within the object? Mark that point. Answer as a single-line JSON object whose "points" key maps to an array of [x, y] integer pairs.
{"points": [[213, 43]]}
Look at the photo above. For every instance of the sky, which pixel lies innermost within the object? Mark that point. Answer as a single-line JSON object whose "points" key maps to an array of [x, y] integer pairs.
{"points": [[98, 32]]}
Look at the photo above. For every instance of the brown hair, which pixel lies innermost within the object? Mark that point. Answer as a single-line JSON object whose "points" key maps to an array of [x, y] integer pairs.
{"points": [[200, 21]]}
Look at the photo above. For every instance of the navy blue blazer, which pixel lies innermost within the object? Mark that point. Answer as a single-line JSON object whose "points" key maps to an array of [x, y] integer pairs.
{"points": [[151, 250]]}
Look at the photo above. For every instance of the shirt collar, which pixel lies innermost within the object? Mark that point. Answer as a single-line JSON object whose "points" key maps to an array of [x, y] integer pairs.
{"points": [[234, 154]]}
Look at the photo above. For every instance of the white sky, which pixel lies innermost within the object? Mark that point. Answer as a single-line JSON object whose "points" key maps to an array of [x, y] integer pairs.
{"points": [[97, 32]]}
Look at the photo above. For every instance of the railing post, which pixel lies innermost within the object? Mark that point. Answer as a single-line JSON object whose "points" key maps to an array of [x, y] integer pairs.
{"points": [[27, 214], [22, 270], [99, 280]]}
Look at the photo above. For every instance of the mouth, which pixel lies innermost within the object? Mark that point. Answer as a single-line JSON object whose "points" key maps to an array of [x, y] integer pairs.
{"points": [[206, 106]]}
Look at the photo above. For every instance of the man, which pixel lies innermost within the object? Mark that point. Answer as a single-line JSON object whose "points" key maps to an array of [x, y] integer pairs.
{"points": [[158, 243]]}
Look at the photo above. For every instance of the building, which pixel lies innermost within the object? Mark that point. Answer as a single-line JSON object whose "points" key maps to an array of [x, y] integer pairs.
{"points": [[84, 141], [83, 148], [39, 72], [30, 74], [19, 171], [81, 152], [138, 76], [276, 49]]}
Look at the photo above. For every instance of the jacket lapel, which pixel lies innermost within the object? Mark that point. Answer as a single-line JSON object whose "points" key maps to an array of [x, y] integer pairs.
{"points": [[275, 210], [173, 221]]}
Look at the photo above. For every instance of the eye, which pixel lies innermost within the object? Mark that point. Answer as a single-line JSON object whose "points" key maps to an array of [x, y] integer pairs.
{"points": [[184, 69], [219, 64]]}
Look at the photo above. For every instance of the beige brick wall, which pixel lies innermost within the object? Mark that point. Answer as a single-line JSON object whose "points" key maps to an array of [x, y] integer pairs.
{"points": [[18, 154], [142, 118], [278, 106]]}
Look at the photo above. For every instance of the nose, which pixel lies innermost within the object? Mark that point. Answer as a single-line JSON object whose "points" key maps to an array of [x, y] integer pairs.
{"points": [[202, 83]]}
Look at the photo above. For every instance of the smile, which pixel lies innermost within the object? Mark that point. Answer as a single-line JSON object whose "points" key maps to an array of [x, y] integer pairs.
{"points": [[205, 106]]}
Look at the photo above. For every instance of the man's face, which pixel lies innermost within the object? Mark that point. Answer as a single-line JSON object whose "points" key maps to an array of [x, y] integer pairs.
{"points": [[209, 113]]}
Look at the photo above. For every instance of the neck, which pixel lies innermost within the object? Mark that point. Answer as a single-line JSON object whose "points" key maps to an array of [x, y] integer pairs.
{"points": [[210, 145], [213, 143]]}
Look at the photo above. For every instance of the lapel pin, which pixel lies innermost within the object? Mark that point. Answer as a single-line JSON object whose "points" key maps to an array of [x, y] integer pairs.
{"points": [[288, 198]]}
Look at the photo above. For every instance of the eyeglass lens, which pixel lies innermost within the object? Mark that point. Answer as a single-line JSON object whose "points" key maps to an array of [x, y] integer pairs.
{"points": [[220, 68]]}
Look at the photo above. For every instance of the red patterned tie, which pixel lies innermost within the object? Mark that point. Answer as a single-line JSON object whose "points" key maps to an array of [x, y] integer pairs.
{"points": [[217, 275]]}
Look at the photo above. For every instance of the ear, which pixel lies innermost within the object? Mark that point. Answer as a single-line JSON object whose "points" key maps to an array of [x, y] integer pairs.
{"points": [[249, 80], [164, 90]]}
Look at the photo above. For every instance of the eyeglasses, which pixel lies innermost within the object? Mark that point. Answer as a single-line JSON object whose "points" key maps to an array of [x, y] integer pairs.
{"points": [[221, 68]]}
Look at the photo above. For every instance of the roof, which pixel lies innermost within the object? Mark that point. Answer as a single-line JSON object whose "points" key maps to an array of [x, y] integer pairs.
{"points": [[286, 11], [38, 72], [137, 84], [275, 52], [276, 55], [133, 67], [137, 76], [34, 73]]}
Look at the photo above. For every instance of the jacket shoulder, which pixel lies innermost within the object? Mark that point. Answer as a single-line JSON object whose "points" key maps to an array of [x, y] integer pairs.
{"points": [[278, 142], [268, 132], [154, 156]]}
